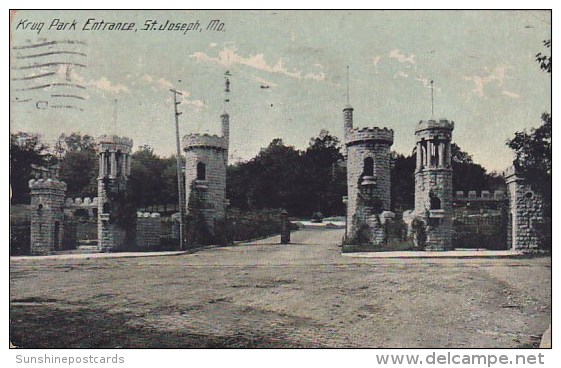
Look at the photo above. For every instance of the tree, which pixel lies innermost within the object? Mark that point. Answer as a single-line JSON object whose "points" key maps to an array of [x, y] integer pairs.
{"points": [[533, 149], [545, 60], [278, 180], [467, 174], [25, 149], [281, 176], [323, 173], [78, 164], [152, 180], [403, 181], [533, 155]]}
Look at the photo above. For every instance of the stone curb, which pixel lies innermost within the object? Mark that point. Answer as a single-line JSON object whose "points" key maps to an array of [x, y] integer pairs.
{"points": [[99, 255], [428, 254]]}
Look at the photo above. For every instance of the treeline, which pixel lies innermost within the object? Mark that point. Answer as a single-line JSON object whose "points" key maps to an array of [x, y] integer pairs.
{"points": [[279, 177], [153, 179], [301, 182]]}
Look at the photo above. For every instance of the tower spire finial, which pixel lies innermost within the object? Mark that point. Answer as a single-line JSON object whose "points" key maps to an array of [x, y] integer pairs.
{"points": [[348, 100], [432, 98], [115, 112], [226, 88]]}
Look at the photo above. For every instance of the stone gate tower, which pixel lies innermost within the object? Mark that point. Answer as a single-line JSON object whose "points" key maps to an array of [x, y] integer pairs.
{"points": [[114, 168], [47, 215], [526, 212], [433, 182], [206, 159], [368, 179]]}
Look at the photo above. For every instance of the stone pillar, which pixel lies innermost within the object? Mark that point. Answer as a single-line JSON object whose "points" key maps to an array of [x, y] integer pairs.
{"points": [[148, 229], [434, 181], [101, 170], [127, 165], [115, 226], [225, 118], [441, 154], [47, 215], [348, 118], [285, 228], [113, 158], [419, 156], [124, 164], [526, 212]]}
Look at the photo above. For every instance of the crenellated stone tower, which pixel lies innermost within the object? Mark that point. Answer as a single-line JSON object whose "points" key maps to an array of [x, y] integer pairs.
{"points": [[47, 215], [206, 159], [368, 179], [114, 168], [433, 182]]}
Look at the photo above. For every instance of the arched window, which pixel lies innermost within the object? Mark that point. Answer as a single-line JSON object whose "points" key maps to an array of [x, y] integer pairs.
{"points": [[201, 171], [434, 203], [368, 167]]}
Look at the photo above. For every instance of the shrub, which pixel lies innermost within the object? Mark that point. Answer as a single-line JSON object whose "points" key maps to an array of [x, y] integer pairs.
{"points": [[419, 232]]}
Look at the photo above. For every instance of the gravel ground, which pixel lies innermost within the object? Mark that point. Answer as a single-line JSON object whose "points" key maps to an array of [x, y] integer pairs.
{"points": [[264, 294]]}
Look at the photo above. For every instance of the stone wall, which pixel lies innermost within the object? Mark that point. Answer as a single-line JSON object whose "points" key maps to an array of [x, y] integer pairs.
{"points": [[148, 229], [175, 223], [47, 215], [526, 212]]}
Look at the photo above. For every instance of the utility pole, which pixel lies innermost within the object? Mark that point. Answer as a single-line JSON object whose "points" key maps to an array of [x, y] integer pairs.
{"points": [[179, 173]]}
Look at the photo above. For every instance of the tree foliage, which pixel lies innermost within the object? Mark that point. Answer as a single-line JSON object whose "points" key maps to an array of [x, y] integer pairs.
{"points": [[280, 176], [403, 181], [532, 149], [543, 59], [78, 164], [467, 175], [153, 180], [25, 149]]}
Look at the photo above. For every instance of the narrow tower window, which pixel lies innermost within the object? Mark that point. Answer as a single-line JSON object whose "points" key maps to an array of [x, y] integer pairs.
{"points": [[201, 171], [368, 167], [435, 203]]}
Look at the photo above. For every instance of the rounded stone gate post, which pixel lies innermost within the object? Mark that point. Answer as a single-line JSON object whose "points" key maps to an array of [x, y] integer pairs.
{"points": [[285, 228]]}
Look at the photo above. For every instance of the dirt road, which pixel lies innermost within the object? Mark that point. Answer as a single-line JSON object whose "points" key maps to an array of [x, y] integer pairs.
{"points": [[265, 294]]}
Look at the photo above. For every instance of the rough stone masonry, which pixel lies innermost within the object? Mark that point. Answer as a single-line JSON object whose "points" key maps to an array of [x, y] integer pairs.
{"points": [[206, 159], [114, 169], [47, 215], [433, 182], [368, 179]]}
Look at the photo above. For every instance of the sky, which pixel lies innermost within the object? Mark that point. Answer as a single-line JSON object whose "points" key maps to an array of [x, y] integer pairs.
{"points": [[288, 75]]}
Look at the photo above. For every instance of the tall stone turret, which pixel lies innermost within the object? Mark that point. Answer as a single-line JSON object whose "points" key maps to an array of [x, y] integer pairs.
{"points": [[113, 223], [225, 117], [47, 215], [348, 118], [206, 159], [368, 178], [433, 181]]}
